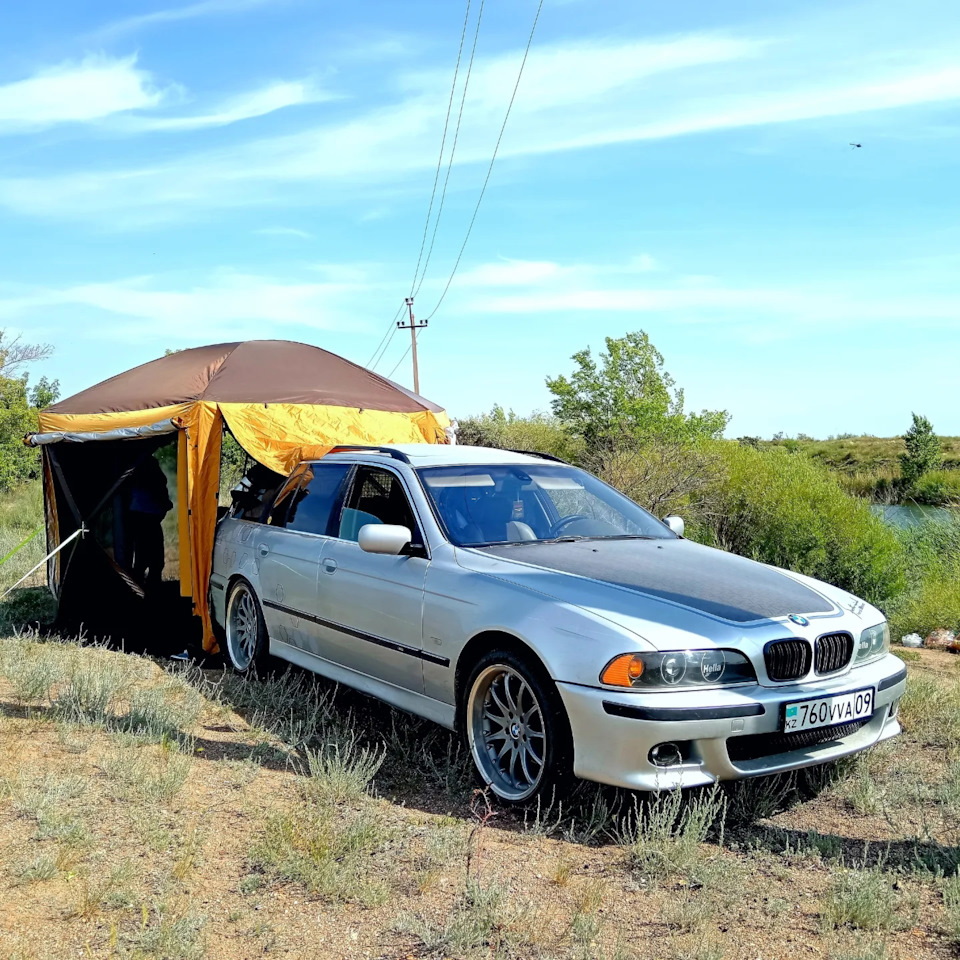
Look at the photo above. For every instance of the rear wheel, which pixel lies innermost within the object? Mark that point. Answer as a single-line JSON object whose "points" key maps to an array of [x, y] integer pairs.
{"points": [[517, 730], [246, 633]]}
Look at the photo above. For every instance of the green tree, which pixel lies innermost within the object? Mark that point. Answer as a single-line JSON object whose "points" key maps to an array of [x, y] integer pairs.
{"points": [[924, 451], [44, 393], [18, 414], [628, 395], [18, 462]]}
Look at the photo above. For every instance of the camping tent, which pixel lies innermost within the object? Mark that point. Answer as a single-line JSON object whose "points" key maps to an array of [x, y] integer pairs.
{"points": [[282, 401]]}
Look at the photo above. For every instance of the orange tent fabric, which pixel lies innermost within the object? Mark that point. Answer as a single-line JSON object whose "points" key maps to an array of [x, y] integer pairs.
{"points": [[282, 401]]}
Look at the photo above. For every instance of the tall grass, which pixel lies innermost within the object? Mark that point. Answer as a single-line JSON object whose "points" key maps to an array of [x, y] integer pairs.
{"points": [[21, 513], [931, 598], [663, 835]]}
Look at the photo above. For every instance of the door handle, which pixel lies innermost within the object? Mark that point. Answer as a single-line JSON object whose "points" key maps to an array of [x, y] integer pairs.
{"points": [[329, 565], [263, 549]]}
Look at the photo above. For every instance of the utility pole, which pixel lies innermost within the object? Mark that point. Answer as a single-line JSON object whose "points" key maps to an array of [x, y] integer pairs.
{"points": [[413, 327]]}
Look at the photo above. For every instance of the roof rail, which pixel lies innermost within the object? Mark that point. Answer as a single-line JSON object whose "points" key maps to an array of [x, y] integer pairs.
{"points": [[389, 451], [543, 456]]}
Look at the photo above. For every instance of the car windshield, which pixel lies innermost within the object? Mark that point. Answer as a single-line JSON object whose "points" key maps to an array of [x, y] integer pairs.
{"points": [[481, 505]]}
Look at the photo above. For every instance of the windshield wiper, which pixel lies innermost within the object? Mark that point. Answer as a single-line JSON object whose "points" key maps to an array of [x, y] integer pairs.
{"points": [[628, 536]]}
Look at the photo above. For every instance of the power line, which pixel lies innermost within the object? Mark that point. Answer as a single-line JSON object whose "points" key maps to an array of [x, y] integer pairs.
{"points": [[391, 331], [388, 336], [486, 179], [453, 150], [443, 141], [406, 353]]}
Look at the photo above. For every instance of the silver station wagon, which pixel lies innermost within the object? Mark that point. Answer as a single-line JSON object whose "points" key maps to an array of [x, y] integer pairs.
{"points": [[560, 627]]}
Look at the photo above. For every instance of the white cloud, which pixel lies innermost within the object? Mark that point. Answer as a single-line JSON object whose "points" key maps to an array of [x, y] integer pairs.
{"points": [[769, 311], [508, 273], [174, 14], [221, 305], [92, 89], [257, 103], [574, 95]]}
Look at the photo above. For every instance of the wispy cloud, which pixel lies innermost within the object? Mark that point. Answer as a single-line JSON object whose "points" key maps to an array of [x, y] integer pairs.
{"points": [[541, 287], [91, 89], [257, 103], [574, 95], [191, 11], [156, 309]]}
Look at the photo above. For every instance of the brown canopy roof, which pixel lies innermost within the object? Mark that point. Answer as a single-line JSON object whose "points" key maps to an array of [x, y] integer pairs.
{"points": [[252, 371]]}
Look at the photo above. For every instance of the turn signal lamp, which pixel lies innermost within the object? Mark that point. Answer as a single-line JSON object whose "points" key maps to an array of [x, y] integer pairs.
{"points": [[623, 671]]}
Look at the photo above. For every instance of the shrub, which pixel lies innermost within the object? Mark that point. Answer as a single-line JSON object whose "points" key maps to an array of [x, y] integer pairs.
{"points": [[933, 604], [785, 509], [932, 564], [540, 432], [484, 922], [924, 451], [865, 898], [937, 488], [325, 850], [663, 836]]}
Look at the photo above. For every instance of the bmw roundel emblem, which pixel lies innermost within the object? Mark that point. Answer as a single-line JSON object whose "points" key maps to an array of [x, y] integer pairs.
{"points": [[798, 620]]}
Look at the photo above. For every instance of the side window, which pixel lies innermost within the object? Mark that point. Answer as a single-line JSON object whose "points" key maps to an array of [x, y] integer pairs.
{"points": [[255, 492], [377, 496], [277, 513], [308, 506]]}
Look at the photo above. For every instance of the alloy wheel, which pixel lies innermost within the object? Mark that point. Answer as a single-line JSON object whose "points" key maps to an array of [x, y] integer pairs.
{"points": [[243, 627], [507, 732]]}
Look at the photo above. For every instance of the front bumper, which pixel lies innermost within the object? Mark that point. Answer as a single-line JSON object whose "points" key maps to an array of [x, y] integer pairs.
{"points": [[613, 732]]}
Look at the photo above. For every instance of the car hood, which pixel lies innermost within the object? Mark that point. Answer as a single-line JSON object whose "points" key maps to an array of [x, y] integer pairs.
{"points": [[712, 582]]}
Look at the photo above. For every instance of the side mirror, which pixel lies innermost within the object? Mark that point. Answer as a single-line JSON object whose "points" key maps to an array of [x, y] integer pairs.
{"points": [[675, 524], [384, 538]]}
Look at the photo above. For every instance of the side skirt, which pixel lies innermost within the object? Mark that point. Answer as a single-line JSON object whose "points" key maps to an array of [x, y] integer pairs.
{"points": [[416, 703]]}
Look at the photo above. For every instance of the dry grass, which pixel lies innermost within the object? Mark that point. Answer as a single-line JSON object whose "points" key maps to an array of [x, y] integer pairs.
{"points": [[146, 814]]}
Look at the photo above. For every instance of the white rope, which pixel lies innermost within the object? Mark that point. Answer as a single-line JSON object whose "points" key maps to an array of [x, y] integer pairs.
{"points": [[53, 553]]}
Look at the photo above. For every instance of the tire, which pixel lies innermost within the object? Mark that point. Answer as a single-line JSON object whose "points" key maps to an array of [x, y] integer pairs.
{"points": [[245, 634], [517, 729]]}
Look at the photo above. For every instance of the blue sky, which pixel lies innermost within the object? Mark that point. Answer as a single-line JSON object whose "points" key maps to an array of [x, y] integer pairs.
{"points": [[232, 169]]}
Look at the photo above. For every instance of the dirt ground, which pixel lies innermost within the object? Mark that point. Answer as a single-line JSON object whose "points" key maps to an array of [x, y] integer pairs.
{"points": [[194, 816]]}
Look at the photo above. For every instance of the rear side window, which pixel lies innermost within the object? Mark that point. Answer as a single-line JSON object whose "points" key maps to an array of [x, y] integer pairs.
{"points": [[377, 497], [309, 506]]}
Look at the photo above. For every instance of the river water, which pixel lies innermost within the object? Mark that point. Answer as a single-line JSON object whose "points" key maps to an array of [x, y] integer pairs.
{"points": [[912, 515]]}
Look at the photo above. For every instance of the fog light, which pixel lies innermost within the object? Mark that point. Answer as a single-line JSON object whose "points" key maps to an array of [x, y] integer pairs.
{"points": [[666, 755]]}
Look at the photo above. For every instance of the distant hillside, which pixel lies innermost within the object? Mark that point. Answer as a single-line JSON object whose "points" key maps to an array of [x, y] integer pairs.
{"points": [[877, 455]]}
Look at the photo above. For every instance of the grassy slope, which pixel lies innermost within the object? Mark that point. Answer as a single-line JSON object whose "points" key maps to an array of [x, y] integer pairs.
{"points": [[871, 454], [149, 815]]}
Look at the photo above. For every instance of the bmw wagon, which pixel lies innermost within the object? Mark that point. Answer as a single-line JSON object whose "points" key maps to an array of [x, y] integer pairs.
{"points": [[561, 629]]}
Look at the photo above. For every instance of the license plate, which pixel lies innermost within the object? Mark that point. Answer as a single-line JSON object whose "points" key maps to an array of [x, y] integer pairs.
{"points": [[827, 711]]}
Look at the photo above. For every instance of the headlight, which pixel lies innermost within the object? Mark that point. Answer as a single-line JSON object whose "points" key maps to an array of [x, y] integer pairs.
{"points": [[683, 668], [874, 642]]}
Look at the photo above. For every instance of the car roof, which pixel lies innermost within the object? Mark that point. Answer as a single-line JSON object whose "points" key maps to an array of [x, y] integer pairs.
{"points": [[440, 454]]}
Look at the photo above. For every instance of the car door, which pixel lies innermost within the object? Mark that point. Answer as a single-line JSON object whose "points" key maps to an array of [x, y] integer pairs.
{"points": [[289, 550], [373, 604]]}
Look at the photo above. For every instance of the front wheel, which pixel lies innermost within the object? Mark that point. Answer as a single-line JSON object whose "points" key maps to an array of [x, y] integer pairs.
{"points": [[517, 730], [246, 633]]}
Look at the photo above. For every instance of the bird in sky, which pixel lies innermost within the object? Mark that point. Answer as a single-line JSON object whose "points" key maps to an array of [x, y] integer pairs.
{"points": [[854, 145]]}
